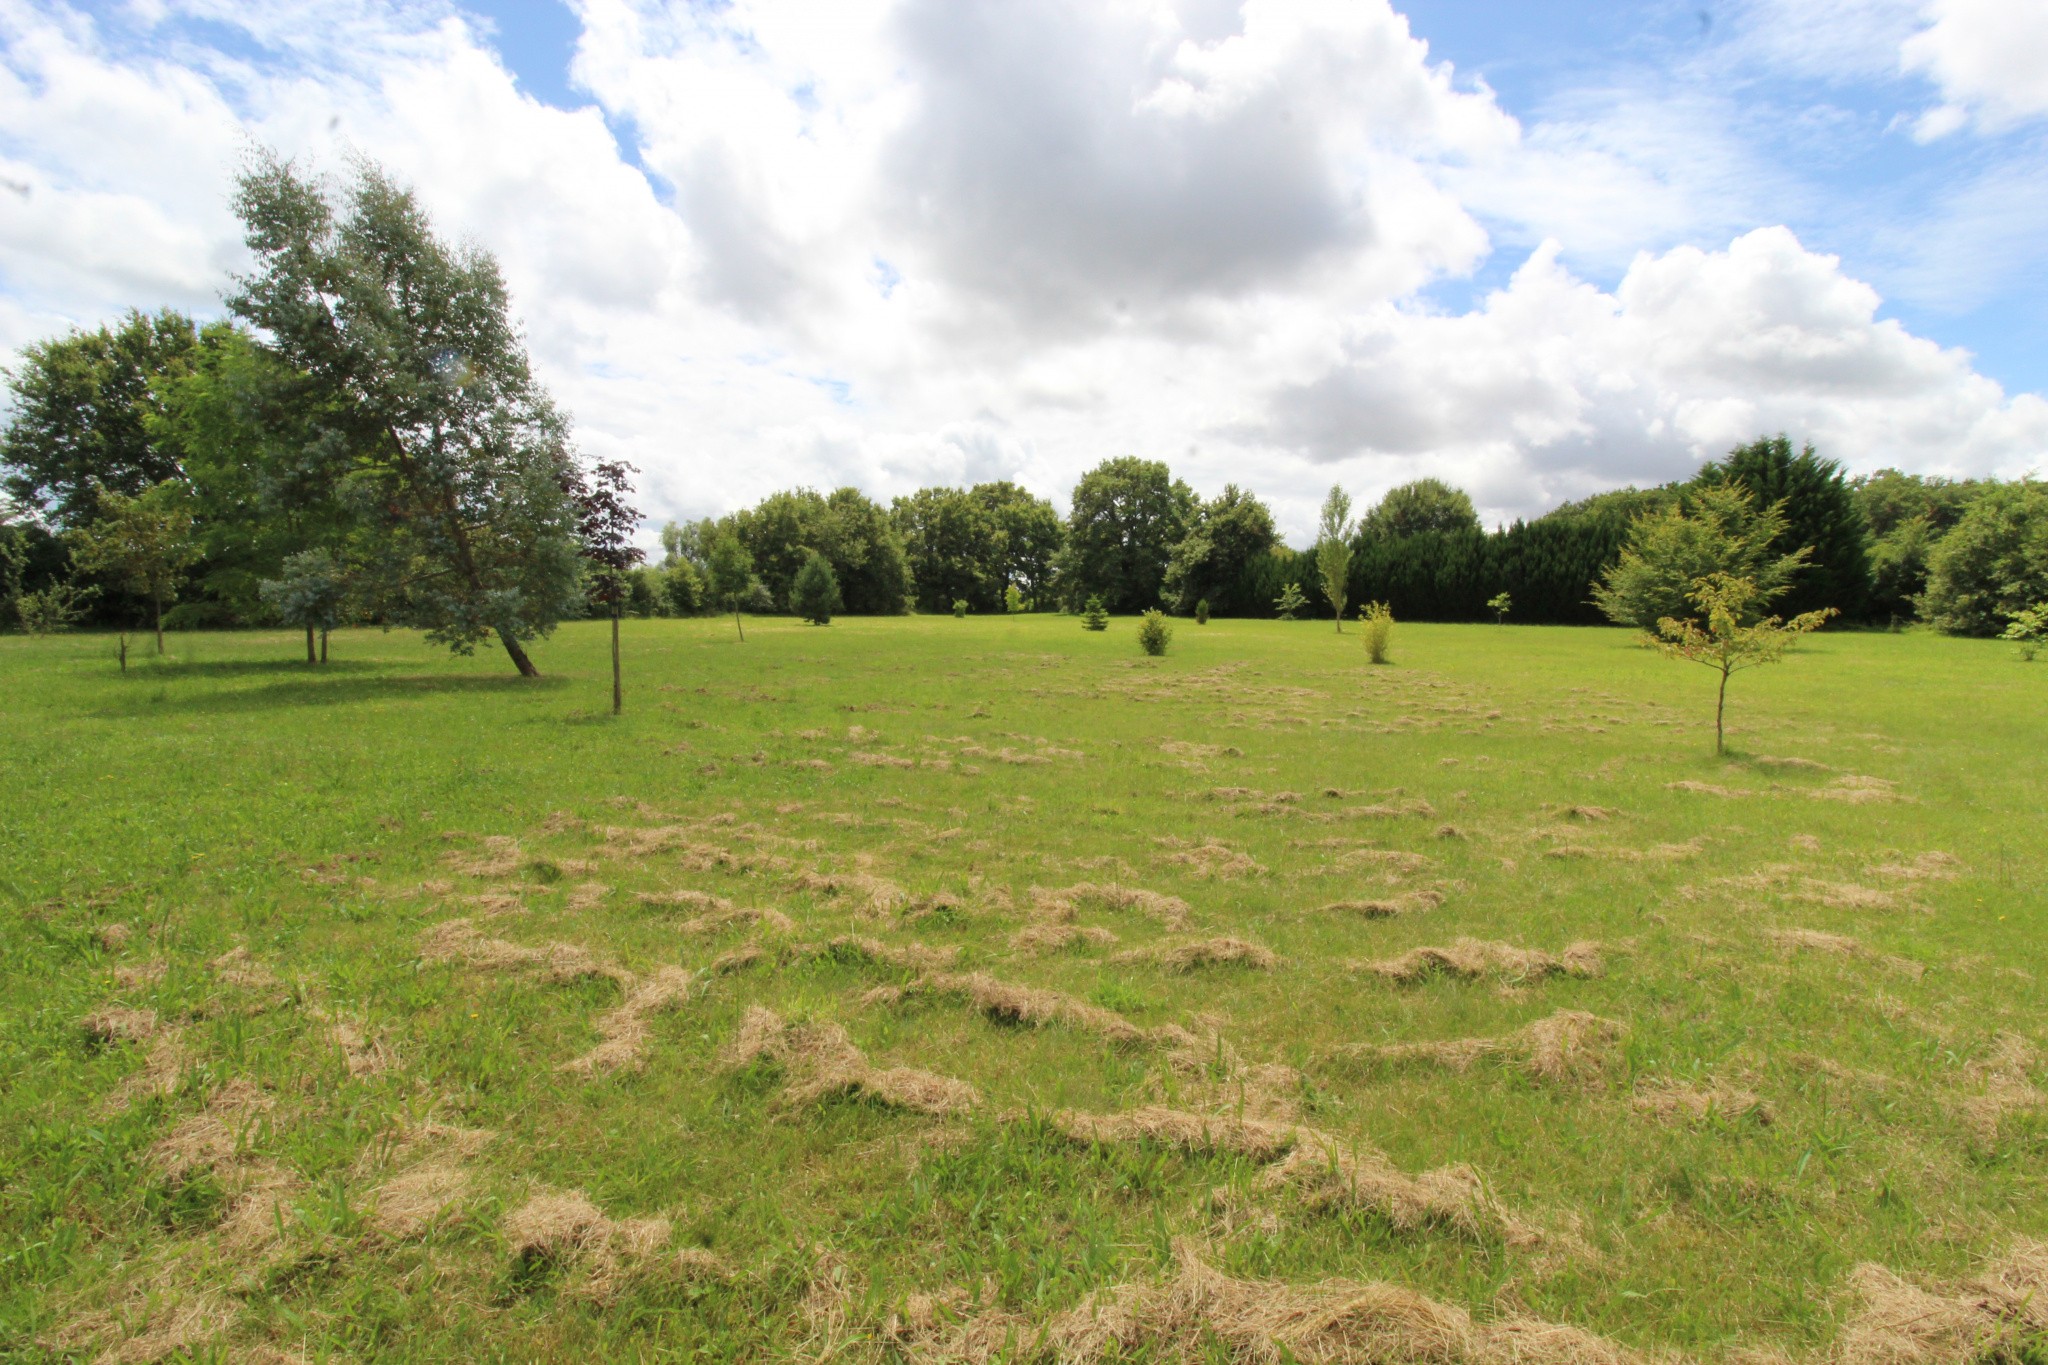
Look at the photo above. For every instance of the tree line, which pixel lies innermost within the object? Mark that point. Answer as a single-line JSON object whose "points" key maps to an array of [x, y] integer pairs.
{"points": [[362, 440]]}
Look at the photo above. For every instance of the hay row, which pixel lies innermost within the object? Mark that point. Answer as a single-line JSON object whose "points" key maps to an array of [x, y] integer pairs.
{"points": [[1565, 1045], [1207, 952], [457, 940], [1471, 958], [823, 1063], [1062, 903], [623, 1028]]}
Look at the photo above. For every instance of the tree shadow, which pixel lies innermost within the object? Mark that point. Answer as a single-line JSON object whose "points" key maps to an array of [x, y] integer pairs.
{"points": [[236, 668], [326, 690]]}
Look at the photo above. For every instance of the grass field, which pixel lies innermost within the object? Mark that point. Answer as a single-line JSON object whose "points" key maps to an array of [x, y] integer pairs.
{"points": [[959, 990]]}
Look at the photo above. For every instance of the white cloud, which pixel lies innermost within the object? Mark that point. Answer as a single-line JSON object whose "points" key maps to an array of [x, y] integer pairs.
{"points": [[1990, 58], [949, 240]]}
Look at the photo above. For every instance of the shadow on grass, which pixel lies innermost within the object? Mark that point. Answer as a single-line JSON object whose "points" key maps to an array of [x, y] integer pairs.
{"points": [[323, 688]]}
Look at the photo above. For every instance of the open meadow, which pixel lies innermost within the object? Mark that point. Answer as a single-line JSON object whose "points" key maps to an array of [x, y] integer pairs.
{"points": [[931, 989]]}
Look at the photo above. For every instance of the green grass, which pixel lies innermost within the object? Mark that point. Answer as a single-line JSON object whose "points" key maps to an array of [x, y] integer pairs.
{"points": [[232, 797]]}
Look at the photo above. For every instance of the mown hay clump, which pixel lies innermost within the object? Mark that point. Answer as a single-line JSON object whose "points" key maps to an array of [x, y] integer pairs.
{"points": [[1565, 1045], [1208, 952], [623, 1029], [823, 1063], [1673, 1101], [1472, 958]]}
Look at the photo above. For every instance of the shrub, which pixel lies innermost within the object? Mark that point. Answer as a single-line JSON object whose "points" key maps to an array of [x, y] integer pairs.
{"points": [[2029, 630], [57, 607], [1202, 612], [1500, 604], [1154, 635], [757, 599], [1290, 602], [815, 592], [1095, 616], [1013, 599], [1377, 618], [960, 608]]}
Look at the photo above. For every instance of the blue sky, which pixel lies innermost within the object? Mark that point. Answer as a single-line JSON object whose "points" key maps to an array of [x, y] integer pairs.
{"points": [[887, 243]]}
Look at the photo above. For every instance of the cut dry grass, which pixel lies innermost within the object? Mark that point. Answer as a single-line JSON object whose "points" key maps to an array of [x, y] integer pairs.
{"points": [[1062, 903], [623, 1029], [1671, 1100], [1567, 1045], [1986, 1320], [1208, 952], [457, 940], [118, 1024], [822, 1063], [1472, 958], [567, 1230], [1998, 1084]]}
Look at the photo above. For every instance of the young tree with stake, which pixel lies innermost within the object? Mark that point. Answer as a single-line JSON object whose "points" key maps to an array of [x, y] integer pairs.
{"points": [[729, 570], [1728, 642], [1333, 550], [606, 520]]}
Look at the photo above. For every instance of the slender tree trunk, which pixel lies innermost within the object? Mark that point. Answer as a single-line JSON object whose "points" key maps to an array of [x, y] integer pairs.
{"points": [[517, 655], [1720, 706], [124, 651], [310, 658], [158, 603], [323, 644], [738, 625], [618, 695]]}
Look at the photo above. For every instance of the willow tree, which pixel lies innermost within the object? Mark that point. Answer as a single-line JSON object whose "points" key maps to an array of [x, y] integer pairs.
{"points": [[456, 461]]}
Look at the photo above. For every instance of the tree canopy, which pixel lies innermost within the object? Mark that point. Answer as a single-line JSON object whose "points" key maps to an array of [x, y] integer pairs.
{"points": [[1422, 506], [1126, 518], [1820, 513], [1720, 530]]}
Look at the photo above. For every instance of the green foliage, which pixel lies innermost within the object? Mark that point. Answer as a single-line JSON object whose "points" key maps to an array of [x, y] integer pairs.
{"points": [[403, 360], [960, 608], [1226, 534], [79, 418], [1333, 551], [815, 594], [59, 606], [1729, 636], [1154, 634], [1013, 599], [683, 589], [852, 531], [1290, 602], [1994, 564], [1095, 616], [1821, 515], [729, 576], [1031, 536], [1127, 516], [1202, 612], [1500, 604], [140, 545], [2028, 629], [1426, 505], [1376, 623], [1719, 530], [311, 592], [954, 548]]}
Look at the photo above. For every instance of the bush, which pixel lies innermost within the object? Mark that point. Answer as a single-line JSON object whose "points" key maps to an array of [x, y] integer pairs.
{"points": [[1378, 622], [960, 608], [1154, 635], [1290, 602], [1202, 612], [815, 593], [1994, 564], [757, 599], [1013, 599], [57, 607], [1095, 617], [684, 589], [2029, 630]]}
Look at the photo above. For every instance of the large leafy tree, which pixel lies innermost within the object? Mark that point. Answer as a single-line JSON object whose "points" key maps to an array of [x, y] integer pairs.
{"points": [[1721, 531], [854, 533], [1226, 535], [1126, 518], [1906, 515], [1416, 508], [80, 419], [1032, 534], [1820, 514], [955, 549], [415, 376], [1994, 564]]}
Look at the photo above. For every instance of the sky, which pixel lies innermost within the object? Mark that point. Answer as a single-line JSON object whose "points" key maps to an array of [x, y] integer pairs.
{"points": [[1534, 250]]}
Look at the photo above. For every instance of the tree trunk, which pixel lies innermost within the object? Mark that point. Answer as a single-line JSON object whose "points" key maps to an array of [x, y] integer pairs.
{"points": [[736, 622], [158, 603], [124, 651], [323, 644], [618, 696], [1720, 706], [517, 655], [310, 658]]}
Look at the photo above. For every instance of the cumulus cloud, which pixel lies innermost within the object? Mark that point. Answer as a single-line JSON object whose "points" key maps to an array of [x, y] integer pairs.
{"points": [[1555, 388], [887, 242], [1990, 58]]}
